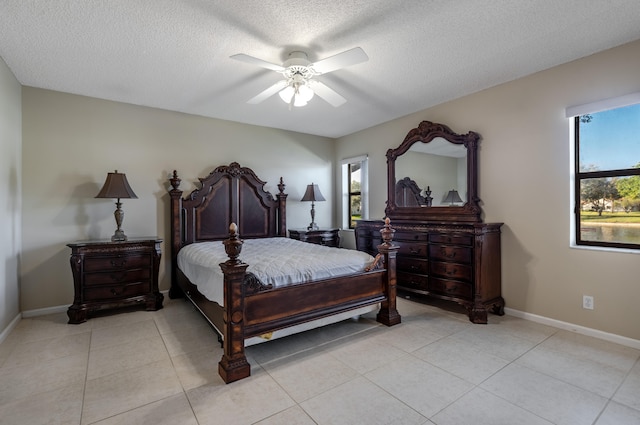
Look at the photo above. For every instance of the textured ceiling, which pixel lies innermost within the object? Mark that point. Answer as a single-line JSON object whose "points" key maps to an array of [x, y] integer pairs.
{"points": [[174, 54]]}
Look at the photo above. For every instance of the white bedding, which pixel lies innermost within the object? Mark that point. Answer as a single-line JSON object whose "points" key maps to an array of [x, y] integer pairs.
{"points": [[278, 261]]}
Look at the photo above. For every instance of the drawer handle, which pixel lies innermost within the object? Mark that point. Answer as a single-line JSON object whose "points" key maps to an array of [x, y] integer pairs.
{"points": [[119, 263], [451, 272], [118, 276], [444, 253], [115, 292], [415, 251], [451, 289]]}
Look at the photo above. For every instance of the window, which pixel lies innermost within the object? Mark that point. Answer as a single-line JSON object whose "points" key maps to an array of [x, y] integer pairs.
{"points": [[607, 176], [354, 190]]}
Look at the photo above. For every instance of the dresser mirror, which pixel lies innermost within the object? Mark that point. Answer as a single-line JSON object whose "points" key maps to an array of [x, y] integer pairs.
{"points": [[432, 176]]}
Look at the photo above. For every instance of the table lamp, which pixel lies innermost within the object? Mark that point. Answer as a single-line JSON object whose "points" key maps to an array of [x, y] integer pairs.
{"points": [[452, 197], [117, 187], [313, 194]]}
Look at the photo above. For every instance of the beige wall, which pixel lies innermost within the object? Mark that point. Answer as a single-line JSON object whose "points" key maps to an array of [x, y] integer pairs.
{"points": [[524, 181], [71, 142], [10, 168]]}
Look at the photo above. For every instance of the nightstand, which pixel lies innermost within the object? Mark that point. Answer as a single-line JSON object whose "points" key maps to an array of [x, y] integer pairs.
{"points": [[327, 237], [110, 275]]}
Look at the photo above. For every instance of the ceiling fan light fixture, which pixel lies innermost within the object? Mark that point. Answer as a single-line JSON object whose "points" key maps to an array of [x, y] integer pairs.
{"points": [[299, 101], [305, 92], [298, 85], [287, 93]]}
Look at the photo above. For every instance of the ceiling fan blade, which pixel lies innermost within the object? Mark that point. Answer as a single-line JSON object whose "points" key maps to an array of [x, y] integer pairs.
{"points": [[258, 62], [327, 93], [341, 60], [268, 92]]}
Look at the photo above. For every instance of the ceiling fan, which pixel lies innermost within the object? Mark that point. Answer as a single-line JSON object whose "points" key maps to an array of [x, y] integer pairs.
{"points": [[299, 85]]}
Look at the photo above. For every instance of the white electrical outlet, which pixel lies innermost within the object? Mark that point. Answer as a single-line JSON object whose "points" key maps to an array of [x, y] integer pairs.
{"points": [[587, 302]]}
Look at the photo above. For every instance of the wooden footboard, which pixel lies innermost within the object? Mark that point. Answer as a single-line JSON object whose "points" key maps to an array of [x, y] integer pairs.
{"points": [[234, 194], [251, 312]]}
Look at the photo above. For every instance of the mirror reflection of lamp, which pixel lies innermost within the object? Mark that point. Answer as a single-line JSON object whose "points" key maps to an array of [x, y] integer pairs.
{"points": [[313, 194], [117, 187], [452, 197]]}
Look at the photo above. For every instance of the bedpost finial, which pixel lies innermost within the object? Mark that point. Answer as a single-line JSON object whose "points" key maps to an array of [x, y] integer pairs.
{"points": [[281, 185], [175, 180], [387, 232], [233, 245]]}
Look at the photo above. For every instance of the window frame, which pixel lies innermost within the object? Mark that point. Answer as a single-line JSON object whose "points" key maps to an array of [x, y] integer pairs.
{"points": [[347, 194], [579, 176]]}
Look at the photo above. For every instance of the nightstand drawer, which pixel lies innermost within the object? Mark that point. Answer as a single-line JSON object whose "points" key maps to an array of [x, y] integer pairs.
{"points": [[326, 237], [118, 262], [117, 277], [121, 291]]}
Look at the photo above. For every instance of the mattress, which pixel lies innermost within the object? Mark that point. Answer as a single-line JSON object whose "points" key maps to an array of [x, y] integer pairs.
{"points": [[277, 261]]}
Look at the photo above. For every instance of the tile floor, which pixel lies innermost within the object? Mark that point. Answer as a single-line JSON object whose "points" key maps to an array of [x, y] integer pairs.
{"points": [[435, 368]]}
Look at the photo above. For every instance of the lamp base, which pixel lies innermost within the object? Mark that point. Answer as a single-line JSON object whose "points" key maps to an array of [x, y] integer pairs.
{"points": [[313, 226], [119, 236]]}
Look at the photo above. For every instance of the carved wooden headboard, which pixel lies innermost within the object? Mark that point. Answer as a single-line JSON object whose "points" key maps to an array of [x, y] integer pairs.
{"points": [[229, 194]]}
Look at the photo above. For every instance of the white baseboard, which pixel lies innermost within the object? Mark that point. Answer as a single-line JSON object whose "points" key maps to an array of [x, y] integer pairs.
{"points": [[618, 339], [5, 333], [46, 310]]}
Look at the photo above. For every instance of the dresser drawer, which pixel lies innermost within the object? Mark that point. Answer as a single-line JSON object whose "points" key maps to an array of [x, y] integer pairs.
{"points": [[411, 236], [117, 262], [412, 265], [119, 291], [116, 277], [452, 288], [413, 281], [452, 239], [458, 254], [412, 249], [451, 270]]}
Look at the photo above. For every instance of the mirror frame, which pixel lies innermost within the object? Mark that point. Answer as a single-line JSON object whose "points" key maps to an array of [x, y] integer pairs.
{"points": [[425, 133]]}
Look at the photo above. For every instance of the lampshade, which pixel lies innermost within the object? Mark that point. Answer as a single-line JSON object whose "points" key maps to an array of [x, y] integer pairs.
{"points": [[116, 186], [287, 93], [452, 197], [297, 91], [313, 194]]}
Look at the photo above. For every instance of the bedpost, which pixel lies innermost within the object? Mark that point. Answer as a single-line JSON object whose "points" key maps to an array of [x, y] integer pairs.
{"points": [[388, 314], [282, 210], [176, 233], [233, 365]]}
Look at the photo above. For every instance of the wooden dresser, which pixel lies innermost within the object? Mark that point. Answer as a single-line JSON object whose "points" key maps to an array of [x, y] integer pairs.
{"points": [[458, 262], [114, 274], [328, 237], [445, 249]]}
